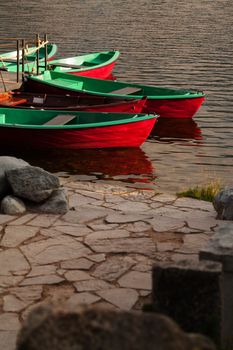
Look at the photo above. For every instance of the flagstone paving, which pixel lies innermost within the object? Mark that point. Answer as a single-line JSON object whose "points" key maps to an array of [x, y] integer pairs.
{"points": [[100, 252]]}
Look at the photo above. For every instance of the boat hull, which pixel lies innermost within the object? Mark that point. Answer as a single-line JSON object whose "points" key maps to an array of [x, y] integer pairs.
{"points": [[124, 135], [177, 108], [98, 73], [164, 107]]}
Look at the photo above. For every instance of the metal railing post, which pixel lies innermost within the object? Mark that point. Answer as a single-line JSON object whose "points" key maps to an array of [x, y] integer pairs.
{"points": [[23, 57], [45, 52], [18, 59], [37, 53]]}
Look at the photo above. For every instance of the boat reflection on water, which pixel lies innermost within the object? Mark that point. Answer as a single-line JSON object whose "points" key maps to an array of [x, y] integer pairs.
{"points": [[174, 128], [128, 165]]}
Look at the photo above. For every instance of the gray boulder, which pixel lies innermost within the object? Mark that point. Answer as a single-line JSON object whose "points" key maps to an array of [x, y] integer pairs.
{"points": [[57, 203], [32, 183], [103, 329], [11, 205], [223, 204], [8, 163]]}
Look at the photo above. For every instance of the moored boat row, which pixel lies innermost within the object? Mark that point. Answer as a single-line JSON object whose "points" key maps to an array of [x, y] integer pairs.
{"points": [[65, 106]]}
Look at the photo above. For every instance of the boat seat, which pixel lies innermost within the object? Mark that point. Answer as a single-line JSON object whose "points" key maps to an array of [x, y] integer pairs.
{"points": [[65, 65], [126, 90], [13, 102], [61, 119]]}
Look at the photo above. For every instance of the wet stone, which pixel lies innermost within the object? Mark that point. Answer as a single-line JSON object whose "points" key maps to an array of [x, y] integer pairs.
{"points": [[171, 212], [12, 260], [77, 199], [13, 304], [164, 198], [123, 298], [47, 279], [138, 226], [164, 223], [102, 227], [81, 298], [44, 220], [129, 206], [136, 280], [193, 243], [91, 285], [78, 264], [27, 294], [42, 270], [10, 281], [53, 250], [85, 214], [97, 257], [23, 219], [143, 245], [76, 275], [6, 218], [96, 195], [74, 230], [8, 340], [106, 234], [204, 224], [168, 246], [177, 257], [113, 268], [193, 204], [121, 218], [9, 322], [15, 235]]}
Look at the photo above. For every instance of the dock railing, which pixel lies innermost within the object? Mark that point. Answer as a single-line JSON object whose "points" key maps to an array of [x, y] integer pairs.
{"points": [[18, 49]]}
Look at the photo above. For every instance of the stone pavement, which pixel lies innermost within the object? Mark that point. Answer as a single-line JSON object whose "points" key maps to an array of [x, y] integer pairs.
{"points": [[101, 251]]}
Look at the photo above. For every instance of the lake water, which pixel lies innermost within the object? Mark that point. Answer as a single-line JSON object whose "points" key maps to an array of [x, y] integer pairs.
{"points": [[184, 44]]}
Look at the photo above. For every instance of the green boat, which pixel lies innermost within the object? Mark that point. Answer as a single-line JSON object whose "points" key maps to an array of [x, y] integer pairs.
{"points": [[8, 60], [166, 102], [95, 65]]}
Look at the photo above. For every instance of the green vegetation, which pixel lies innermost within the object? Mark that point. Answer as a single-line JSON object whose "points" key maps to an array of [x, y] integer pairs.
{"points": [[204, 192]]}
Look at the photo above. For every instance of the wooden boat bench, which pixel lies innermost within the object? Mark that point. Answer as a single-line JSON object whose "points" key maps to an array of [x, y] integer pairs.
{"points": [[61, 119], [126, 90], [65, 65]]}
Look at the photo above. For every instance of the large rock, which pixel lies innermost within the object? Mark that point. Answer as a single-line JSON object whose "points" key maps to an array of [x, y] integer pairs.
{"points": [[103, 329], [223, 204], [32, 183], [190, 293], [8, 163], [57, 203]]}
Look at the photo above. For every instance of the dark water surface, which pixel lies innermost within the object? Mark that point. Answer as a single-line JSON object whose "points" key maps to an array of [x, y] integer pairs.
{"points": [[186, 44]]}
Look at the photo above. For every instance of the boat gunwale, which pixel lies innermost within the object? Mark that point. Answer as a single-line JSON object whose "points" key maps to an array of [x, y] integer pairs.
{"points": [[138, 117], [51, 53], [191, 94]]}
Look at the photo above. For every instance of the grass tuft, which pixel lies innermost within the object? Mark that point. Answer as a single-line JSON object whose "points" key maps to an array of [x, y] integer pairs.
{"points": [[204, 192]]}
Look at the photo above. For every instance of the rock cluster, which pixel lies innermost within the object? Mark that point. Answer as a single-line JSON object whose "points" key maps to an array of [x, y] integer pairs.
{"points": [[100, 328], [223, 204], [25, 187]]}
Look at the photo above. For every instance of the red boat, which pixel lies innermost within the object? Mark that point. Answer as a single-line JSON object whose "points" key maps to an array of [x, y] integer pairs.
{"points": [[70, 103], [94, 65], [31, 128], [166, 102]]}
